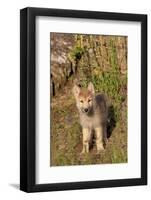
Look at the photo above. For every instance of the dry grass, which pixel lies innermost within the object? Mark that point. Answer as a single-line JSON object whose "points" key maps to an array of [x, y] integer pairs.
{"points": [[66, 135]]}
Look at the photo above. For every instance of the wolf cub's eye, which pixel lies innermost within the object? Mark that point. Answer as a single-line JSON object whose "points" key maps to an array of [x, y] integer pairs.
{"points": [[89, 100], [81, 101]]}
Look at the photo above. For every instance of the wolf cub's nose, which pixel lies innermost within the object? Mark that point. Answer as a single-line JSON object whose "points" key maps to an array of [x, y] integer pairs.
{"points": [[86, 110]]}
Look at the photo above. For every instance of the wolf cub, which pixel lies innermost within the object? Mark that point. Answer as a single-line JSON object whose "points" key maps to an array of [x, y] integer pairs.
{"points": [[93, 115]]}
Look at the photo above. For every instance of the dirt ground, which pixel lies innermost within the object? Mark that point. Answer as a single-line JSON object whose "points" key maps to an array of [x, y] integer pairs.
{"points": [[66, 134]]}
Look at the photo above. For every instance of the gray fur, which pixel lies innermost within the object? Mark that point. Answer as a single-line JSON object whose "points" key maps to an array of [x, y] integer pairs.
{"points": [[93, 115]]}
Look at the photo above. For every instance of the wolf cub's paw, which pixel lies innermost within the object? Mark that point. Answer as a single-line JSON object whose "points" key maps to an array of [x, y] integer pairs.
{"points": [[100, 149], [106, 140], [84, 151]]}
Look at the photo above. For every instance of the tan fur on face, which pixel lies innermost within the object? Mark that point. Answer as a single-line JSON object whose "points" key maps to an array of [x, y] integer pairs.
{"points": [[84, 93]]}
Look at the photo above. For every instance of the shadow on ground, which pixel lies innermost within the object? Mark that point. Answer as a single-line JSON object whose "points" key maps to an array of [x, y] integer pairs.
{"points": [[111, 124]]}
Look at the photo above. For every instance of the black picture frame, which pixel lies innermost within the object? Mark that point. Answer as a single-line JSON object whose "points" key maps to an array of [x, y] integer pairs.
{"points": [[28, 99]]}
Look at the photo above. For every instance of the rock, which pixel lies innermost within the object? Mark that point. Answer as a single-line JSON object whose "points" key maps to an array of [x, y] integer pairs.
{"points": [[61, 67]]}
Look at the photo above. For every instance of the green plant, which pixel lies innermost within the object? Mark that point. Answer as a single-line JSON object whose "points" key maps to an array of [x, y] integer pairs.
{"points": [[77, 52]]}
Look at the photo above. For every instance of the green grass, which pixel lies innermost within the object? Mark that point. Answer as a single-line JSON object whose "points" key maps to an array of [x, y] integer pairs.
{"points": [[77, 53]]}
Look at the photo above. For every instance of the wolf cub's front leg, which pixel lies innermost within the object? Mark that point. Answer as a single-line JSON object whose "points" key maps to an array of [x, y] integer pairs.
{"points": [[99, 131], [86, 139]]}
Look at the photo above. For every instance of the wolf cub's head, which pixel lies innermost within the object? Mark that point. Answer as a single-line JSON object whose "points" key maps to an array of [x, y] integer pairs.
{"points": [[84, 97]]}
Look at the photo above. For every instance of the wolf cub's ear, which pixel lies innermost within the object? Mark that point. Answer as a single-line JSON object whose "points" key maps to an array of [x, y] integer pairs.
{"points": [[91, 88], [76, 90]]}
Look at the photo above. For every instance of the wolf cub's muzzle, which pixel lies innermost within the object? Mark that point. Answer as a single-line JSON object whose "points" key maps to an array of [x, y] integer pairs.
{"points": [[86, 110]]}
